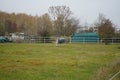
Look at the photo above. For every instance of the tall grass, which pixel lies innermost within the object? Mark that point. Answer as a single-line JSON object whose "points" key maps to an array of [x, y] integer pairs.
{"points": [[108, 71]]}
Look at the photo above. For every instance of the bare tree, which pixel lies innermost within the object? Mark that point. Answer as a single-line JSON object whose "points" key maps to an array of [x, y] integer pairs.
{"points": [[71, 26], [2, 32], [44, 26], [62, 12], [106, 28], [60, 15]]}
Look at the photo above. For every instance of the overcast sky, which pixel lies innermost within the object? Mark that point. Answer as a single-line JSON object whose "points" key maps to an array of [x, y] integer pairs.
{"points": [[85, 10]]}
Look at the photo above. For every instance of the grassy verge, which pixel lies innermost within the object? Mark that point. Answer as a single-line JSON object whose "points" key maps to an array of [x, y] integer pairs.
{"points": [[108, 72], [48, 62]]}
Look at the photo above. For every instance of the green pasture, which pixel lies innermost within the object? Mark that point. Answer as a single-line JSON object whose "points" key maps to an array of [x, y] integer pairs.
{"points": [[50, 62]]}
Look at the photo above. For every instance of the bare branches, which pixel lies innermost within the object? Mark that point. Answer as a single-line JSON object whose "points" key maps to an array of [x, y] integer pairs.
{"points": [[60, 11]]}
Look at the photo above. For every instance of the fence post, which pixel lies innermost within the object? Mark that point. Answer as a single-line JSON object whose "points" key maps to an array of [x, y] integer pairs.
{"points": [[112, 41], [98, 41], [70, 39], [44, 39], [83, 40]]}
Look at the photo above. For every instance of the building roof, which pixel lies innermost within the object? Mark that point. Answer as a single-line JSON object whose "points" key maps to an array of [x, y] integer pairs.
{"points": [[86, 34]]}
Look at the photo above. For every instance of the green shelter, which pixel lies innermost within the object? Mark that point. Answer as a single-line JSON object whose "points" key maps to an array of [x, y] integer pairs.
{"points": [[85, 37]]}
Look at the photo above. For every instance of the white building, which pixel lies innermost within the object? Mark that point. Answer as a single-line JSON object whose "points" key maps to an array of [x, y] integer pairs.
{"points": [[17, 36]]}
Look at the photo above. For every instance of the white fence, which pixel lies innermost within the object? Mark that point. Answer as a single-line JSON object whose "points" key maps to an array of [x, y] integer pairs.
{"points": [[97, 40], [36, 39], [39, 39]]}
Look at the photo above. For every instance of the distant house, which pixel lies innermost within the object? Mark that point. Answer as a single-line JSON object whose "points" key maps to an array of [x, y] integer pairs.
{"points": [[85, 37], [17, 36]]}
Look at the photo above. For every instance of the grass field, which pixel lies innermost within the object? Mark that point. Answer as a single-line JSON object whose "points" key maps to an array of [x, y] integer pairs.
{"points": [[48, 62]]}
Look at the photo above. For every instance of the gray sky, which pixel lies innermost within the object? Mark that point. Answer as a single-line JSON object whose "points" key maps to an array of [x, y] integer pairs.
{"points": [[85, 10]]}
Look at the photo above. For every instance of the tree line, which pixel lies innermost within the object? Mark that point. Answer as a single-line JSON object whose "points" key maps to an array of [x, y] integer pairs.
{"points": [[57, 22], [63, 24]]}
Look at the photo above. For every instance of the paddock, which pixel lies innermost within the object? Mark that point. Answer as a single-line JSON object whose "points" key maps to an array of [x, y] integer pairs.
{"points": [[39, 61]]}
